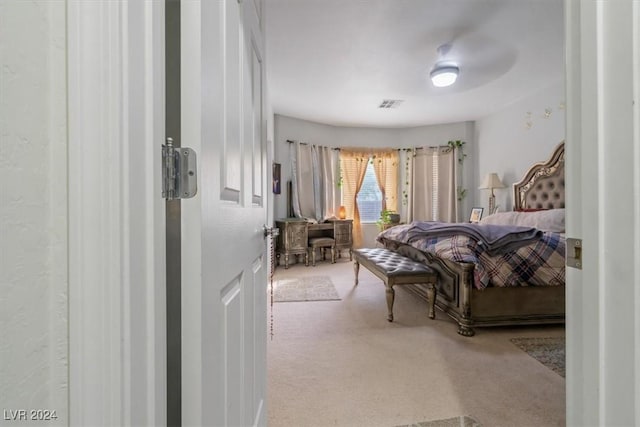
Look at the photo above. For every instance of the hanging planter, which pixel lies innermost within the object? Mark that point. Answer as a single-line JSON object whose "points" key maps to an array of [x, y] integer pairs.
{"points": [[459, 147], [457, 144], [411, 152]]}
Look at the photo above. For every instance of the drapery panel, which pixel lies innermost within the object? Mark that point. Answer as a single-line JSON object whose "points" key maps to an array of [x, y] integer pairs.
{"points": [[329, 174], [353, 166], [314, 174], [434, 177], [385, 166], [406, 183]]}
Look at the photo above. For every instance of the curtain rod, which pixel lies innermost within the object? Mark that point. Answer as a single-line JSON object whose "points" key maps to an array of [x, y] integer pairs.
{"points": [[399, 149], [306, 143], [422, 148]]}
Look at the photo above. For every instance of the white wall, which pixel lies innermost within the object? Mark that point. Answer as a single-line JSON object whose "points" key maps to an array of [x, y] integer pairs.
{"points": [[510, 141], [288, 128], [33, 213]]}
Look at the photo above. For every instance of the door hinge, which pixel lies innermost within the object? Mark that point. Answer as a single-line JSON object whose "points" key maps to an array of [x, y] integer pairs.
{"points": [[179, 177], [574, 253]]}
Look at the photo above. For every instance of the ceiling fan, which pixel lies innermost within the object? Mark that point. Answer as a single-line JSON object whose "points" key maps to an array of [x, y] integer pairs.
{"points": [[445, 72]]}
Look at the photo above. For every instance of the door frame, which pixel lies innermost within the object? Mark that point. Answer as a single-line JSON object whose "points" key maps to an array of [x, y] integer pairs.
{"points": [[603, 209], [117, 321], [113, 154]]}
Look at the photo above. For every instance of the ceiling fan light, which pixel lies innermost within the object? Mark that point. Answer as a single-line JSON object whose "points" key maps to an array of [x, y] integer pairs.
{"points": [[444, 76]]}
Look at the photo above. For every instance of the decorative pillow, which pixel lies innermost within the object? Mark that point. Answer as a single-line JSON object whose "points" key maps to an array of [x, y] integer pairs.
{"points": [[545, 220]]}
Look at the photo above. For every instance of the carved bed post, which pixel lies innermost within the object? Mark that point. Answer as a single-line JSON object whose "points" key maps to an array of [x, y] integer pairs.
{"points": [[465, 322]]}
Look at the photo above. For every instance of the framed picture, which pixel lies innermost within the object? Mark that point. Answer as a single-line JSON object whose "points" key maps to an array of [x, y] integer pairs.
{"points": [[276, 178], [476, 214]]}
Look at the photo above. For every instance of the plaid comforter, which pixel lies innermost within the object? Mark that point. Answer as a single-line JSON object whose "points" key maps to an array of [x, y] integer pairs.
{"points": [[538, 263]]}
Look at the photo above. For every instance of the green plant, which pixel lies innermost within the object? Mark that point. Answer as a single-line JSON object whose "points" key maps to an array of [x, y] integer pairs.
{"points": [[386, 218], [462, 192], [411, 152], [460, 146]]}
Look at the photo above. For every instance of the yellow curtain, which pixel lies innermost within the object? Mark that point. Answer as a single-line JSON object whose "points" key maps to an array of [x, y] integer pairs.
{"points": [[353, 166], [385, 165]]}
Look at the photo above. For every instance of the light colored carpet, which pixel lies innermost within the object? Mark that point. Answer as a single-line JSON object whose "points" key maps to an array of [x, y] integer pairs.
{"points": [[313, 288], [340, 363], [462, 421], [548, 351]]}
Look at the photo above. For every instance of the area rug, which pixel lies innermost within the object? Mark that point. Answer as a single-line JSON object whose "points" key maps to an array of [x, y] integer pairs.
{"points": [[548, 351], [462, 421], [312, 288]]}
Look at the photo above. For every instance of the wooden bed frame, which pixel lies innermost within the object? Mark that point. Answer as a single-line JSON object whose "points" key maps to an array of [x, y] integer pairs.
{"points": [[541, 188]]}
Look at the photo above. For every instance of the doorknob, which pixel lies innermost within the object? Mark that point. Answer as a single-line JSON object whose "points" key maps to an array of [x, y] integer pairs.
{"points": [[270, 231]]}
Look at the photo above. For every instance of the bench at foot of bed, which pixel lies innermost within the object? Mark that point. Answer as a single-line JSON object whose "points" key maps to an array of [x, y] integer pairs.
{"points": [[395, 269]]}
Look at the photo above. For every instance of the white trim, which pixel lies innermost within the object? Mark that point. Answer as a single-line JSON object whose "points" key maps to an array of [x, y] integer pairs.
{"points": [[603, 208], [117, 364], [155, 216], [95, 203], [636, 187]]}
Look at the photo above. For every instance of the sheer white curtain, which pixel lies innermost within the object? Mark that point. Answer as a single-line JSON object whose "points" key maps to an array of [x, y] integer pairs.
{"points": [[302, 178], [433, 195], [385, 166], [329, 161], [314, 175]]}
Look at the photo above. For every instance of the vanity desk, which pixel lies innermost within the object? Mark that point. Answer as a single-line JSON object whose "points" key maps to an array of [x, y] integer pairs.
{"points": [[295, 233]]}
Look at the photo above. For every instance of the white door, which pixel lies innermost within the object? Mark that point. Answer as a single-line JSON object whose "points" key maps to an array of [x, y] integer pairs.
{"points": [[223, 248], [603, 201]]}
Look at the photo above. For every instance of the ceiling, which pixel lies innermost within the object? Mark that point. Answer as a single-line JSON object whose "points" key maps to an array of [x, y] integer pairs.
{"points": [[335, 61]]}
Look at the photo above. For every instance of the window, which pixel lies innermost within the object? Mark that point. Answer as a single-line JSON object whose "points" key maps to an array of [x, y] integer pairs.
{"points": [[376, 173], [370, 197]]}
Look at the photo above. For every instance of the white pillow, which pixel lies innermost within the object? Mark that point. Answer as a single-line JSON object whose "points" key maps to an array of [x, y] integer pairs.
{"points": [[546, 220]]}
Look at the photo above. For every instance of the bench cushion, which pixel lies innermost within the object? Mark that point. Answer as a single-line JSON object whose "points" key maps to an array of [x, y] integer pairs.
{"points": [[391, 263]]}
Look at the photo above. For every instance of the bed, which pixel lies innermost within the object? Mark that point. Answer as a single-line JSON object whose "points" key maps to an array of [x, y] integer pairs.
{"points": [[522, 284]]}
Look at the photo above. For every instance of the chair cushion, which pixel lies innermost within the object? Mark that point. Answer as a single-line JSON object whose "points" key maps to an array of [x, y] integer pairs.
{"points": [[321, 241]]}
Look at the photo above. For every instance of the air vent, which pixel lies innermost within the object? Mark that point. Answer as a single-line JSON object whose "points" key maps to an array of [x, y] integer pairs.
{"points": [[390, 103]]}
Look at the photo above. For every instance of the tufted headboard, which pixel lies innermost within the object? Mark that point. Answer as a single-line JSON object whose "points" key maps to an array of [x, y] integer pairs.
{"points": [[543, 185]]}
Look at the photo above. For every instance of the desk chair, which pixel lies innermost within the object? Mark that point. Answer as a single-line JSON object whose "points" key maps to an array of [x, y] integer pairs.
{"points": [[322, 243]]}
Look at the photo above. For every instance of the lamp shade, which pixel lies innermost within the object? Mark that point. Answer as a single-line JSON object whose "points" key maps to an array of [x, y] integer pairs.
{"points": [[342, 212], [444, 75], [491, 181]]}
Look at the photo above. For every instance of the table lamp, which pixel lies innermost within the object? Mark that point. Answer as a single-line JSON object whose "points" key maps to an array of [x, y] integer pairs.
{"points": [[342, 212], [490, 182]]}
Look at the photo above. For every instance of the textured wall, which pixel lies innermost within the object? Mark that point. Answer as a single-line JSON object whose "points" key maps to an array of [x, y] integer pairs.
{"points": [[33, 215], [510, 141]]}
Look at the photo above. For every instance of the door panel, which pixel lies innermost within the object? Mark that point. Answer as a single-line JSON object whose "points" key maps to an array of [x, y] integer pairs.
{"points": [[231, 300], [231, 160], [256, 103], [224, 272]]}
